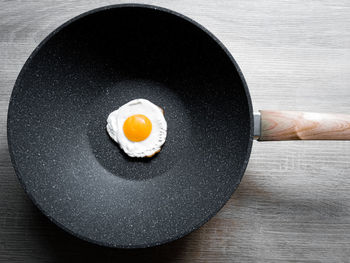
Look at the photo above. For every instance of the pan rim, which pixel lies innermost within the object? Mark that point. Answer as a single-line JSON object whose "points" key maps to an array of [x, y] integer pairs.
{"points": [[101, 9]]}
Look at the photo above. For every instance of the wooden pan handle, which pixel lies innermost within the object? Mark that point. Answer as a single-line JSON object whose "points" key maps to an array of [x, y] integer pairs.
{"points": [[293, 125]]}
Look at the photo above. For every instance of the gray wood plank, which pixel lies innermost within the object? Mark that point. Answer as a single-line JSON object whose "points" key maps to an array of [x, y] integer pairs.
{"points": [[293, 204]]}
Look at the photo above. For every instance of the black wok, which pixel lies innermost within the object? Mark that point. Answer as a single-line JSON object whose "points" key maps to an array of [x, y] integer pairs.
{"points": [[100, 60]]}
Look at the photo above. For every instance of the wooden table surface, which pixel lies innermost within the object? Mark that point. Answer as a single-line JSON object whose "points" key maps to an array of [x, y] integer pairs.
{"points": [[294, 201]]}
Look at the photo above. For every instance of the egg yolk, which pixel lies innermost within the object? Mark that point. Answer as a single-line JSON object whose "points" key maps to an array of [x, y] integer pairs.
{"points": [[137, 127]]}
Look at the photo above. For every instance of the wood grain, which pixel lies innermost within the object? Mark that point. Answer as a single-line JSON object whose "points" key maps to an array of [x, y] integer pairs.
{"points": [[294, 125], [293, 204]]}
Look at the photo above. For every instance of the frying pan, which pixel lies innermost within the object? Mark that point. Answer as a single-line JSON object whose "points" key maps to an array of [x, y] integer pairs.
{"points": [[91, 65]]}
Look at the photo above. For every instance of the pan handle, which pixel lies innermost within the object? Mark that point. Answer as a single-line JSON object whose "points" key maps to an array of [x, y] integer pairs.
{"points": [[294, 125]]}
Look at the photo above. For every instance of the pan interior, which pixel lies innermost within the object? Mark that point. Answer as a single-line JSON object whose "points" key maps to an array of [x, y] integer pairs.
{"points": [[79, 177]]}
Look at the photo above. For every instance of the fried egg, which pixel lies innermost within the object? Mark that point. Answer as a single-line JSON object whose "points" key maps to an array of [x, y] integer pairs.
{"points": [[139, 127]]}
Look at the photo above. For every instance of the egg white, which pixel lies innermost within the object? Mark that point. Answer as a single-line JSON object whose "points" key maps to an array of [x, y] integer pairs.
{"points": [[153, 143]]}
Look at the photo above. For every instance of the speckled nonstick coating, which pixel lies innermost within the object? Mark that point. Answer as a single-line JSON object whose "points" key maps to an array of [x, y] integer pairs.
{"points": [[90, 66]]}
